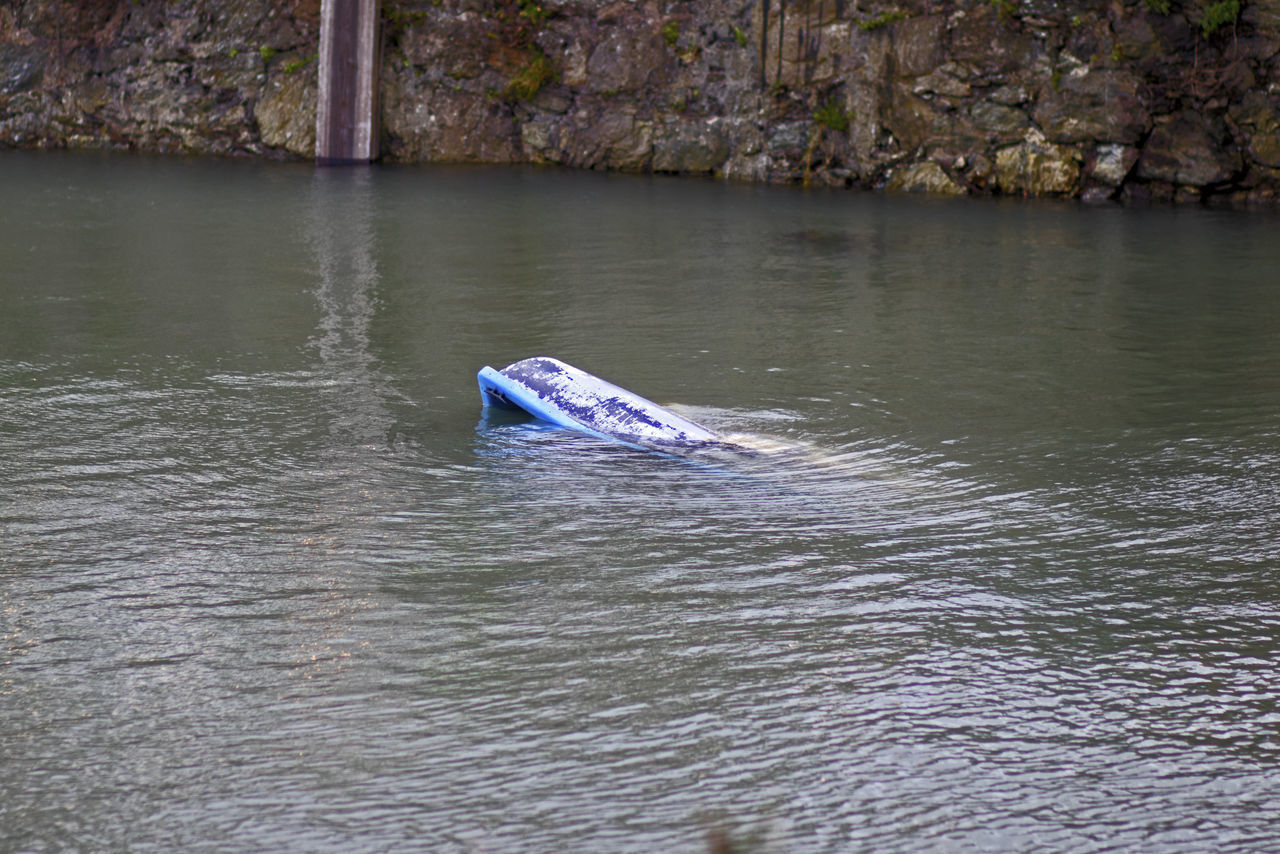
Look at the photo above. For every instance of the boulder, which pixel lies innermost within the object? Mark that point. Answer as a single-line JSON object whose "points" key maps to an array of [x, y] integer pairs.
{"points": [[540, 140], [1260, 121], [690, 146], [599, 135], [1037, 167], [908, 117], [626, 60], [444, 45], [948, 81], [1264, 147], [286, 112], [999, 122], [573, 64], [1014, 93], [1136, 40], [926, 177], [625, 143], [1082, 104], [1111, 164], [993, 46], [446, 122], [1188, 149]]}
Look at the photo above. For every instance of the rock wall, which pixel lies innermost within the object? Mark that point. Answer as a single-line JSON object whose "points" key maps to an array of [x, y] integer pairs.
{"points": [[1128, 99]]}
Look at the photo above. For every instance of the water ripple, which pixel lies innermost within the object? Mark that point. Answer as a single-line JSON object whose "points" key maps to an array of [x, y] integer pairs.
{"points": [[997, 573]]}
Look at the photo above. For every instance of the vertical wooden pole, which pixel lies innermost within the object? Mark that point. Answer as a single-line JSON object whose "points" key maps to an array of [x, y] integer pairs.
{"points": [[347, 109]]}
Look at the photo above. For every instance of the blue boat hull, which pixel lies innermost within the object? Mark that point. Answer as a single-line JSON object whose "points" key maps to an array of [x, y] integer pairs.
{"points": [[570, 397]]}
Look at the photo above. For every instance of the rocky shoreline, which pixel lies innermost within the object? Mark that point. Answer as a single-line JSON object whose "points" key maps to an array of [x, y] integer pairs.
{"points": [[1151, 100]]}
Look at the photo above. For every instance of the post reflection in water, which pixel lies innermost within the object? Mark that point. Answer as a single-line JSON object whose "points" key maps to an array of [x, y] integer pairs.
{"points": [[351, 393], [341, 234]]}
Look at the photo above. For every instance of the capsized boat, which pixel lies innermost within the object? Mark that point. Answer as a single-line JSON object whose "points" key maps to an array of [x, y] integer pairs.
{"points": [[554, 391]]}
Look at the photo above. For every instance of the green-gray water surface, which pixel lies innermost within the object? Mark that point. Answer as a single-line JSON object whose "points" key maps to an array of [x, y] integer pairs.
{"points": [[1006, 577]]}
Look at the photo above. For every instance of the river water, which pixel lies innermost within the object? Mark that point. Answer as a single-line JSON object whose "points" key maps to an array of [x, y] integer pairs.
{"points": [[1004, 575]]}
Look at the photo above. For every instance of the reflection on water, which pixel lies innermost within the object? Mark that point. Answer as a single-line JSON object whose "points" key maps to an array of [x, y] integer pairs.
{"points": [[997, 575], [340, 232]]}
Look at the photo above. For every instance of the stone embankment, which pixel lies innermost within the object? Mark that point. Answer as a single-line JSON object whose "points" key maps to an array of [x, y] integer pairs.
{"points": [[1128, 99]]}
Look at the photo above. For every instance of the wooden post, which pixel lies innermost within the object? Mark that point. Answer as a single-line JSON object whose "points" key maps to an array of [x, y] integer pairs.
{"points": [[347, 109]]}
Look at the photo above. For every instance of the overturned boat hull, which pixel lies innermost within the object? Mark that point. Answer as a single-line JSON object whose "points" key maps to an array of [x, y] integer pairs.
{"points": [[557, 392]]}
